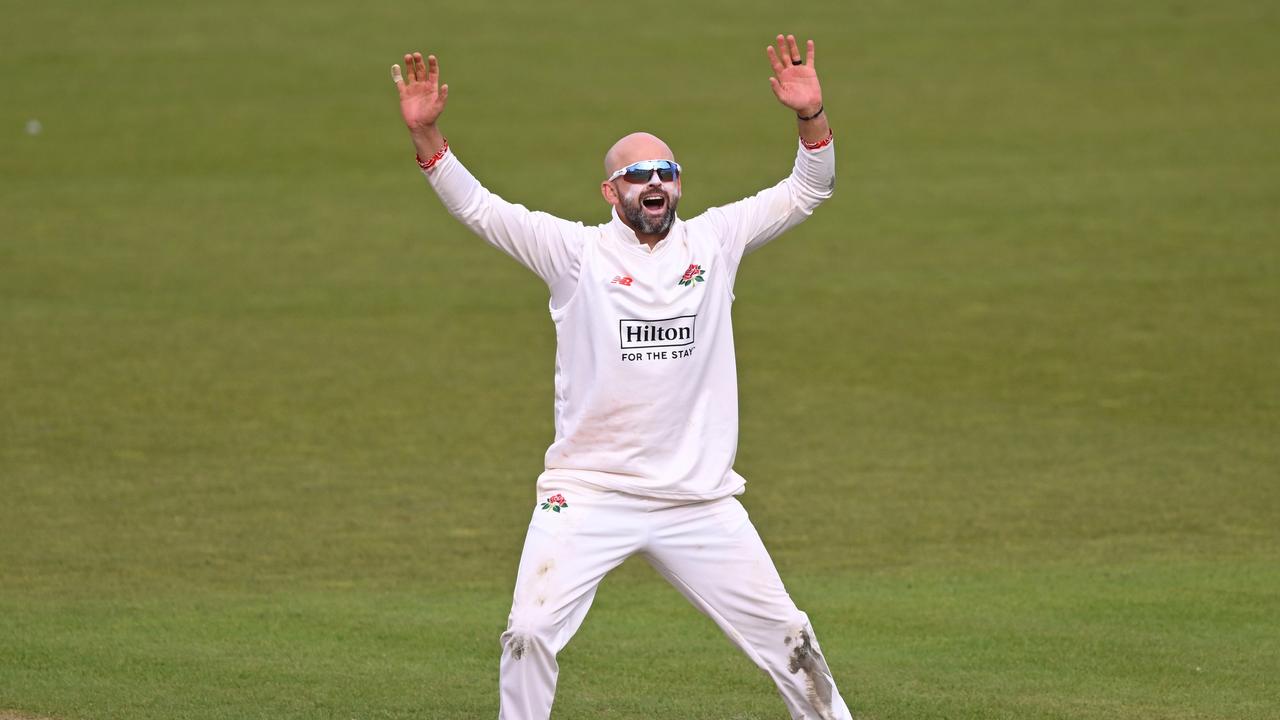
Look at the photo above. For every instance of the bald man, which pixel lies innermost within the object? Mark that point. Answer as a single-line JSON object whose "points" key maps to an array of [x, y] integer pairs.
{"points": [[646, 408]]}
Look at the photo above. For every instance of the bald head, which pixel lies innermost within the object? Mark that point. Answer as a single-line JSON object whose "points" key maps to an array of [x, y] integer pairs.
{"points": [[634, 148]]}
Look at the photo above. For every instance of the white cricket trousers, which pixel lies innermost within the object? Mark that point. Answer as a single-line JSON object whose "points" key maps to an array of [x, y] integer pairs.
{"points": [[708, 550]]}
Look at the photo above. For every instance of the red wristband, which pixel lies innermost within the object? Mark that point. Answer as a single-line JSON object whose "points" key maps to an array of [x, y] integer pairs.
{"points": [[820, 144], [431, 162]]}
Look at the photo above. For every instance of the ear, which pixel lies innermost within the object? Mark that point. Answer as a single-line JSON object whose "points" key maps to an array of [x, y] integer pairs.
{"points": [[609, 192]]}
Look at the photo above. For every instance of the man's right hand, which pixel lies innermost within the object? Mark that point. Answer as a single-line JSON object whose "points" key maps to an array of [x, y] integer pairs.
{"points": [[422, 98]]}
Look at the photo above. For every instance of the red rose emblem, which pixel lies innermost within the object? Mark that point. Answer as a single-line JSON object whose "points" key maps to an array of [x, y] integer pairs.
{"points": [[692, 275], [555, 503]]}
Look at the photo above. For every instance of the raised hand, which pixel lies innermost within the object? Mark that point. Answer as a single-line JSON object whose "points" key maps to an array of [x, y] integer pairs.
{"points": [[795, 79], [422, 98]]}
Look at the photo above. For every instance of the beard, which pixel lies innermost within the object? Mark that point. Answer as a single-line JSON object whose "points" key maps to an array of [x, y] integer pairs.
{"points": [[646, 224]]}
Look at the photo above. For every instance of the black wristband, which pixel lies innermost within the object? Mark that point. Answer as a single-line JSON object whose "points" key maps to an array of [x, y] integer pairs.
{"points": [[820, 108]]}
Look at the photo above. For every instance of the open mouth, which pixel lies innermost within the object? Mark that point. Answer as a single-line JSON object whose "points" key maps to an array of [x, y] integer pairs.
{"points": [[654, 203]]}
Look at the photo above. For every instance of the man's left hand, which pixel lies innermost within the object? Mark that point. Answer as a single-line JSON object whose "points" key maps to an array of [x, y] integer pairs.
{"points": [[795, 78]]}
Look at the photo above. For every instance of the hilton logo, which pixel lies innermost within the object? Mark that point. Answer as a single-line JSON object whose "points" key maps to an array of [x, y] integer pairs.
{"points": [[672, 332]]}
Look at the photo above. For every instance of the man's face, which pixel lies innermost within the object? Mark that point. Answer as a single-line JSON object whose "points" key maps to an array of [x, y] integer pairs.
{"points": [[648, 207], [645, 203]]}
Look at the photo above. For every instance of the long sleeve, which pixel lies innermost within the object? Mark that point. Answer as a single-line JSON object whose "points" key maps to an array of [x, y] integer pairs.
{"points": [[748, 224], [547, 245]]}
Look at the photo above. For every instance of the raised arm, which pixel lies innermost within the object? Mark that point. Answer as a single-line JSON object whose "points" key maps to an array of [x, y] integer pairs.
{"points": [[795, 84], [747, 224], [545, 244], [422, 100]]}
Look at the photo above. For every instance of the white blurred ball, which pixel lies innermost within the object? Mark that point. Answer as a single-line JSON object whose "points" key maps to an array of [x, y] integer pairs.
{"points": [[34, 127]]}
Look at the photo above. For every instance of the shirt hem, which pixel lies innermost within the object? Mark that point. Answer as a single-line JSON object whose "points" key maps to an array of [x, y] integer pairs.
{"points": [[611, 482]]}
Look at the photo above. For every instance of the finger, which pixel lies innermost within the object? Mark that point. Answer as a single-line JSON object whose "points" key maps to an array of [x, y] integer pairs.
{"points": [[783, 53], [396, 78], [419, 68], [433, 70], [776, 87], [810, 52], [774, 61], [425, 73], [408, 68], [793, 50], [444, 94]]}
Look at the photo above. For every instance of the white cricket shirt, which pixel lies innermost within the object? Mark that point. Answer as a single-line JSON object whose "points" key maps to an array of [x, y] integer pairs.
{"points": [[646, 388]]}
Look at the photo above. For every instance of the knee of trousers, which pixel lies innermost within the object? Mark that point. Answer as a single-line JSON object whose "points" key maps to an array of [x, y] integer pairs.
{"points": [[803, 676], [798, 631], [525, 635], [786, 625], [768, 640]]}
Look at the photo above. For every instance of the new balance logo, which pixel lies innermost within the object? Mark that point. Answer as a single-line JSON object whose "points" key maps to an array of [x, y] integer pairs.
{"points": [[621, 280]]}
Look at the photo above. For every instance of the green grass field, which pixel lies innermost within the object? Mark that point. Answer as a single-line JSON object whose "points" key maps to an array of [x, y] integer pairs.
{"points": [[270, 419]]}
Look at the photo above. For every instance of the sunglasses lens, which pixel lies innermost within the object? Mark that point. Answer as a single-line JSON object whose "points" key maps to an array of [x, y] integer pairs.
{"points": [[641, 172]]}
